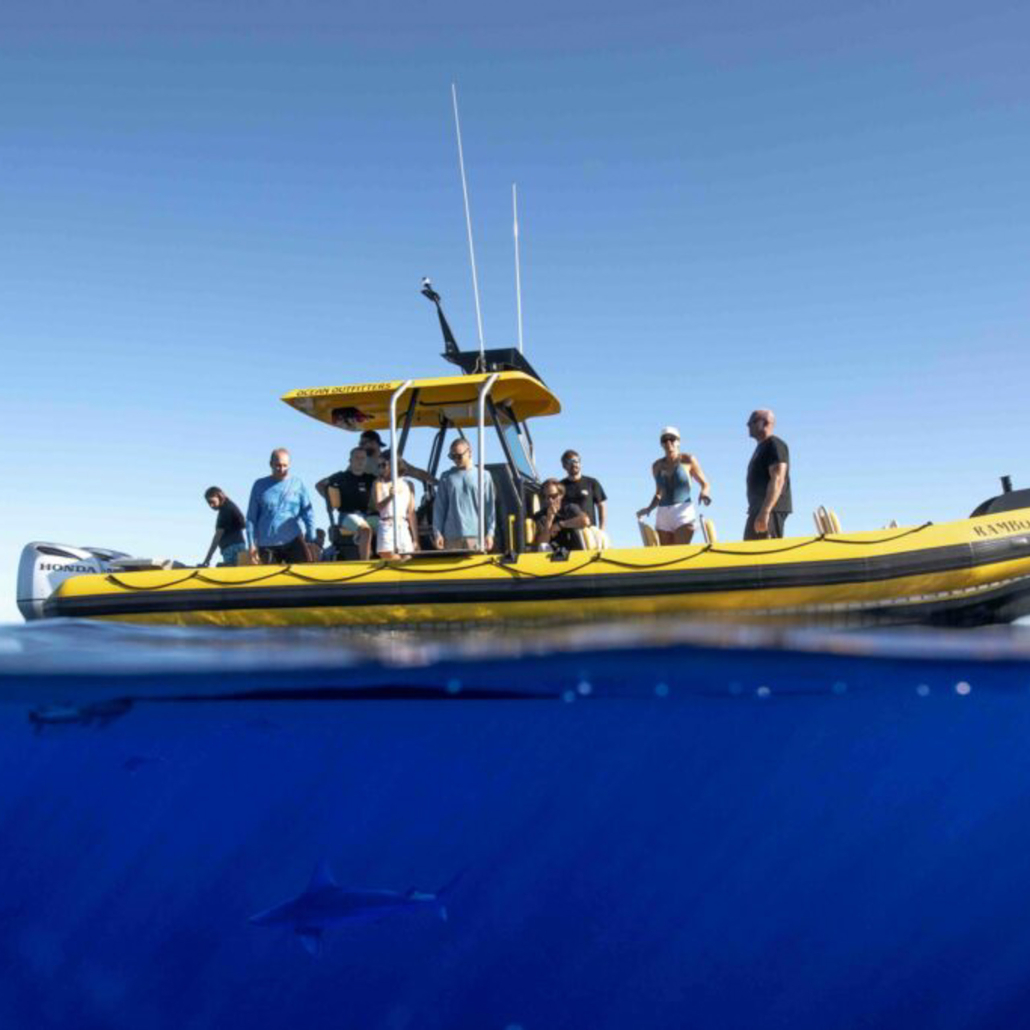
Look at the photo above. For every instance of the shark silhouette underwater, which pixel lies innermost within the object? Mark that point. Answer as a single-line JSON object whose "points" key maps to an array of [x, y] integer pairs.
{"points": [[325, 904]]}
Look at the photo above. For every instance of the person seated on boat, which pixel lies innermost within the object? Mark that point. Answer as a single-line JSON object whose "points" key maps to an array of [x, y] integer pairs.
{"points": [[672, 474], [356, 488], [394, 542], [280, 519], [372, 442], [558, 520], [456, 505], [584, 491], [229, 527]]}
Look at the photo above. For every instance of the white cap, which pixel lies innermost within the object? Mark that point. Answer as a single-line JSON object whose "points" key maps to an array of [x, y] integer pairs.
{"points": [[670, 431]]}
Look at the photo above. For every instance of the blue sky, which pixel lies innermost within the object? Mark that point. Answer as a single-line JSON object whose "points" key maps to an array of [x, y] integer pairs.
{"points": [[818, 207]]}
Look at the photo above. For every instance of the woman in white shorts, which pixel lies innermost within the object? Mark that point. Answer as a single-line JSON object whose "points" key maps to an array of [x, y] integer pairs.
{"points": [[405, 542], [672, 474]]}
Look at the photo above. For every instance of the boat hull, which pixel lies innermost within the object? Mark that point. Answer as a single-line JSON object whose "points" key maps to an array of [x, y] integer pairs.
{"points": [[972, 572]]}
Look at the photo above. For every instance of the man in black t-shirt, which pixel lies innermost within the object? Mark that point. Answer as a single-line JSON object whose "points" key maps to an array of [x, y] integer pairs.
{"points": [[355, 486], [229, 527], [584, 491], [556, 525], [768, 480]]}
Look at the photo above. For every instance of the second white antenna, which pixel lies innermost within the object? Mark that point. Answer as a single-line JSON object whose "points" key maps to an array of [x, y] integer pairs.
{"points": [[468, 218], [518, 275]]}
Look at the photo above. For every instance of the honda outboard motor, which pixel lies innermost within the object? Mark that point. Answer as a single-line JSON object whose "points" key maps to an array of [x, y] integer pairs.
{"points": [[45, 566]]}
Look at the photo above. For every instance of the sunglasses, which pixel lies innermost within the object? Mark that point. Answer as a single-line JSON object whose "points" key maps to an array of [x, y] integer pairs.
{"points": [[553, 493], [455, 455], [669, 439]]}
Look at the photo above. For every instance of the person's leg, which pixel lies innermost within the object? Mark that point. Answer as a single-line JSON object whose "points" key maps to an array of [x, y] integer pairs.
{"points": [[776, 523], [665, 538], [229, 554], [749, 528], [684, 534], [364, 535]]}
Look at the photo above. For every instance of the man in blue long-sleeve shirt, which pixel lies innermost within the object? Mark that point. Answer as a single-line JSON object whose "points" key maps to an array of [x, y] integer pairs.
{"points": [[279, 505], [456, 505]]}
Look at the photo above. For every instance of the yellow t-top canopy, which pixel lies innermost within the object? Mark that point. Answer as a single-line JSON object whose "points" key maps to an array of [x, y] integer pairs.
{"points": [[367, 405]]}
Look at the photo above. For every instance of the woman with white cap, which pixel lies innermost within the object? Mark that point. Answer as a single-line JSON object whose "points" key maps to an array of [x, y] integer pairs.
{"points": [[675, 519]]}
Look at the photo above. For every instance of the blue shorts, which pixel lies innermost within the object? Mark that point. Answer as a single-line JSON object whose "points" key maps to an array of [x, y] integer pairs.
{"points": [[229, 553]]}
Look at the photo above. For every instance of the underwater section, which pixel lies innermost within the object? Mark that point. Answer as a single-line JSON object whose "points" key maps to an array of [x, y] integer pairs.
{"points": [[615, 827]]}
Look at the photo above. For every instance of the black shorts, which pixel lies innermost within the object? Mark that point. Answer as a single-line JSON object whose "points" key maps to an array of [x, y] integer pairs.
{"points": [[288, 554]]}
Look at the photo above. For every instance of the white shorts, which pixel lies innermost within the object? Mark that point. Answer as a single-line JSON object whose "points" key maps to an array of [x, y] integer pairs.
{"points": [[385, 540], [671, 516]]}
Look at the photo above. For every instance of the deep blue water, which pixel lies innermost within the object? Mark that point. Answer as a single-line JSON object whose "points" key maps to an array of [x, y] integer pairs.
{"points": [[677, 827]]}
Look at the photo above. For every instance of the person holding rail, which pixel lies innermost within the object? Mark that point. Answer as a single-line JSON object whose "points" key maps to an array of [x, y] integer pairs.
{"points": [[229, 527], [400, 541], [672, 474]]}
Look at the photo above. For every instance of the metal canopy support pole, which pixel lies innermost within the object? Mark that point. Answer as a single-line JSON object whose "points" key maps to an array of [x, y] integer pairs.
{"points": [[484, 391], [395, 460]]}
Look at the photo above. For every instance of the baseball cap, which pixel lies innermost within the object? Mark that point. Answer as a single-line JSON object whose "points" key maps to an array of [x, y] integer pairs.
{"points": [[670, 431]]}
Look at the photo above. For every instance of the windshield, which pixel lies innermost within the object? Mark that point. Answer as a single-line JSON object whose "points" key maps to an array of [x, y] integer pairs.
{"points": [[517, 443]]}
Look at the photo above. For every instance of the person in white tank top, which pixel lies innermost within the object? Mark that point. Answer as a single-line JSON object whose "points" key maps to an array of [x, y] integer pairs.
{"points": [[389, 544]]}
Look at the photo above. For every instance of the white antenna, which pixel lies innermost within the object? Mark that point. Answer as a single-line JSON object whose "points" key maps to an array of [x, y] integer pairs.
{"points": [[518, 277], [468, 219]]}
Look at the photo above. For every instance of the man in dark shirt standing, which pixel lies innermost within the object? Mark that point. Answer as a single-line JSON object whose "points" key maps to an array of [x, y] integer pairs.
{"points": [[355, 486], [556, 525], [229, 527], [584, 491], [768, 480]]}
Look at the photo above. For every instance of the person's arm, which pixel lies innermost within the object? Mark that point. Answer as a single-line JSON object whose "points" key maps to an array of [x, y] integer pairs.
{"points": [[697, 472], [322, 486], [416, 473], [490, 513], [440, 505], [413, 520], [777, 478], [383, 493], [574, 520], [644, 512], [547, 518], [307, 513], [601, 504], [253, 511], [214, 544]]}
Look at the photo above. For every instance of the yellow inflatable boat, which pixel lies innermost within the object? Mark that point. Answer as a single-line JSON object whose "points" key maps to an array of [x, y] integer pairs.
{"points": [[973, 571]]}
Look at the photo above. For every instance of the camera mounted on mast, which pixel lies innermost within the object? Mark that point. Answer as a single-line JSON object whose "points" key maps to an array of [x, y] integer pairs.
{"points": [[492, 359]]}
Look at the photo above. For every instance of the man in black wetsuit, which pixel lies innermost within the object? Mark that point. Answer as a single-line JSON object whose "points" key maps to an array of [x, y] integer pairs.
{"points": [[355, 486], [229, 527], [768, 480], [556, 525], [584, 491]]}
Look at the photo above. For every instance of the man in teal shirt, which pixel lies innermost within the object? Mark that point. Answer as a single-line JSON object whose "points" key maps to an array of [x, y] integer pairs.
{"points": [[279, 504], [456, 505]]}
